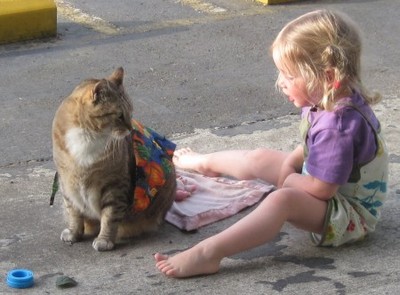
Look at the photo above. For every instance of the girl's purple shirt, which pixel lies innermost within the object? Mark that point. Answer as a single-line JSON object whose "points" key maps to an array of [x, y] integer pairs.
{"points": [[339, 139]]}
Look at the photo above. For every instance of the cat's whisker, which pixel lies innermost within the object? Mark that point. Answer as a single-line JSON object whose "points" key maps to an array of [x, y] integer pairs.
{"points": [[116, 147], [112, 147]]}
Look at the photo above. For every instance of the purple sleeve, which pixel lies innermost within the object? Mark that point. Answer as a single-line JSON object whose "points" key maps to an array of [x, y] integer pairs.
{"points": [[330, 155], [338, 140]]}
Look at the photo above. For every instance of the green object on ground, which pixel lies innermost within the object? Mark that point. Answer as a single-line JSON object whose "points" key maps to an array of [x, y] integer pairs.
{"points": [[64, 282]]}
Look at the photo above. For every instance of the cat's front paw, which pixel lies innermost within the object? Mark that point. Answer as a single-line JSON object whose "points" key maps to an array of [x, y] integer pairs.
{"points": [[69, 237], [101, 244]]}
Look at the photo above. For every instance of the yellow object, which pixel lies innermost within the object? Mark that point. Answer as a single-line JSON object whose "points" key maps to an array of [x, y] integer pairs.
{"points": [[27, 19], [267, 2]]}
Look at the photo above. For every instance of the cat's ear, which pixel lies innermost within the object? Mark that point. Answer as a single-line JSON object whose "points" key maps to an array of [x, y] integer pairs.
{"points": [[97, 91], [118, 76]]}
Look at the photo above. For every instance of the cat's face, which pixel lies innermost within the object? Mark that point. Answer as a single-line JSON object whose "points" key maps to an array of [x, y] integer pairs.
{"points": [[107, 108]]}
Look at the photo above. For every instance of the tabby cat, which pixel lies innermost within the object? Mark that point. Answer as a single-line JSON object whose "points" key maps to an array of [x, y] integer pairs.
{"points": [[116, 175]]}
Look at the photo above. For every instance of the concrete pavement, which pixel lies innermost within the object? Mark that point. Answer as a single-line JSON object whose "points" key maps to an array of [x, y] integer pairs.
{"points": [[288, 265], [30, 228]]}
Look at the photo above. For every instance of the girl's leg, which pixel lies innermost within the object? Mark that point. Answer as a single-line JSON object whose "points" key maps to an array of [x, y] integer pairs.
{"points": [[242, 164], [255, 229]]}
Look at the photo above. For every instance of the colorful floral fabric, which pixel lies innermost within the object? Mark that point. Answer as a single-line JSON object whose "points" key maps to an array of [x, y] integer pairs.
{"points": [[153, 154]]}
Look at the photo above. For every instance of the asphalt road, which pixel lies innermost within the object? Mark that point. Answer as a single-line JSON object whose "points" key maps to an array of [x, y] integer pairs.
{"points": [[189, 65]]}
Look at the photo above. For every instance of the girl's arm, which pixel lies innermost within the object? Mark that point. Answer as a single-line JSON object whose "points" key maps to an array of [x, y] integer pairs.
{"points": [[315, 187], [290, 176], [292, 164]]}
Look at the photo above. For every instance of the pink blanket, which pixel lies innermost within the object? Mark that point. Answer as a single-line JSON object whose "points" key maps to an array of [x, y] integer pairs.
{"points": [[215, 198]]}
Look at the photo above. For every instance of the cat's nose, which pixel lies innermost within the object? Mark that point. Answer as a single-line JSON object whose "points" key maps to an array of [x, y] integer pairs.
{"points": [[129, 125]]}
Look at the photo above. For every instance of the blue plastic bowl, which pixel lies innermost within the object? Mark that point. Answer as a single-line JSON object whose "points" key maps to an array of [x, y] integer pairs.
{"points": [[20, 278]]}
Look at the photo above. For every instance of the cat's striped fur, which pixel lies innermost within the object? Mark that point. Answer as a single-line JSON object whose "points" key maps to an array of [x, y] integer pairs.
{"points": [[92, 150]]}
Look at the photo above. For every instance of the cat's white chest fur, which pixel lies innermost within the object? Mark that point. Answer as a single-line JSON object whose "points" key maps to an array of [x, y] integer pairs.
{"points": [[84, 147]]}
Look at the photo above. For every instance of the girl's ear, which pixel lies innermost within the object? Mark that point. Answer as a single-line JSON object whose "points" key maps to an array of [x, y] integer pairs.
{"points": [[332, 79], [330, 76]]}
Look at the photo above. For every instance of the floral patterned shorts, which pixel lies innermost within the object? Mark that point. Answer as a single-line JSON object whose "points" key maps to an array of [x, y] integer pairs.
{"points": [[343, 223]]}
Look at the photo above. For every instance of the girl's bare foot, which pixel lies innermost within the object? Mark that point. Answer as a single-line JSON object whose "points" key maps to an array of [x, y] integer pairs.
{"points": [[185, 158], [192, 262]]}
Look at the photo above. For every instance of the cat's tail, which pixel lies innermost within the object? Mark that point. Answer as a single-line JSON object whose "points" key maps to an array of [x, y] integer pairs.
{"points": [[138, 226], [92, 227]]}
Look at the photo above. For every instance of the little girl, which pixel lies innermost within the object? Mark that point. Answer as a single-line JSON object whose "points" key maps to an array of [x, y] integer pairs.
{"points": [[334, 184]]}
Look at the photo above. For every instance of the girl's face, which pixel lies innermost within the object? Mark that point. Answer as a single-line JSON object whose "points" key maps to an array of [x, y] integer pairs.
{"points": [[294, 87]]}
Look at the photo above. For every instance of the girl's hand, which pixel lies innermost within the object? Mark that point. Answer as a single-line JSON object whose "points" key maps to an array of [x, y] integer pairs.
{"points": [[292, 164], [286, 170], [183, 189]]}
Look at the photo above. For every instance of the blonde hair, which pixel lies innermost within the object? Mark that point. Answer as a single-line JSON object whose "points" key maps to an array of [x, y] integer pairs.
{"points": [[318, 42]]}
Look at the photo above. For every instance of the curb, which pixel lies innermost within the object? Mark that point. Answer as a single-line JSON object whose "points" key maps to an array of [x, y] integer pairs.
{"points": [[271, 2], [22, 20]]}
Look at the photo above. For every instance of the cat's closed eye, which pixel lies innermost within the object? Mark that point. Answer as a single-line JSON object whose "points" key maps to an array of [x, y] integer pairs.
{"points": [[104, 115], [120, 116]]}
